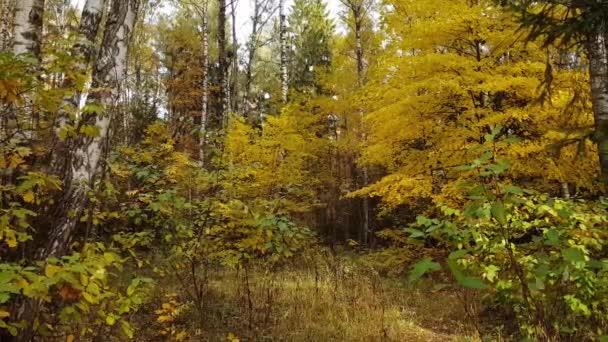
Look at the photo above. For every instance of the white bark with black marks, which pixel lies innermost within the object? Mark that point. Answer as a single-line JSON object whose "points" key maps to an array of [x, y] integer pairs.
{"points": [[27, 36], [598, 71], [82, 52], [283, 44], [108, 74]]}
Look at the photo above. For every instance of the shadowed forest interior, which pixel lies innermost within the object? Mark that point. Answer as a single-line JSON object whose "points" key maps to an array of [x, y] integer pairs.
{"points": [[303, 170]]}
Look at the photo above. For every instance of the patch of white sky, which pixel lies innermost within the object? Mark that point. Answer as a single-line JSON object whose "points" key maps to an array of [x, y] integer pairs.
{"points": [[244, 10]]}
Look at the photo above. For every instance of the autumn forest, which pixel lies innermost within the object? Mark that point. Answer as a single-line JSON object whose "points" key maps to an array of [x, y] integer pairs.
{"points": [[303, 170]]}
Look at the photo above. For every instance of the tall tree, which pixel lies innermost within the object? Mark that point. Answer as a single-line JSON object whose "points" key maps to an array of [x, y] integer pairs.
{"points": [[235, 60], [205, 83], [6, 24], [27, 39], [358, 14], [581, 22], [283, 47], [223, 62], [311, 50], [82, 52], [109, 73], [28, 27]]}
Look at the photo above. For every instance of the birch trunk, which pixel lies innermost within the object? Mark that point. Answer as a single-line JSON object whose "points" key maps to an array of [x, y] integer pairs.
{"points": [[27, 39], [283, 43], [109, 73], [28, 27], [598, 71], [82, 52]]}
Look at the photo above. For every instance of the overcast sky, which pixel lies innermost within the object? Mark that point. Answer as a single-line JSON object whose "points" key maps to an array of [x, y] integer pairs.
{"points": [[244, 10]]}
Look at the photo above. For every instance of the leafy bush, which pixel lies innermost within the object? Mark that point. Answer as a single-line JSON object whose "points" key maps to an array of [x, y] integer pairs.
{"points": [[541, 259]]}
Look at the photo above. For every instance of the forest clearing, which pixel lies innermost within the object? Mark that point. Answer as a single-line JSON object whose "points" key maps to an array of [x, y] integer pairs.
{"points": [[303, 170]]}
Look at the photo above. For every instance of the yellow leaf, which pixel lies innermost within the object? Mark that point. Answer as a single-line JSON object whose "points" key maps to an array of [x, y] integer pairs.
{"points": [[4, 314], [51, 270], [181, 336], [29, 196], [70, 338], [10, 238]]}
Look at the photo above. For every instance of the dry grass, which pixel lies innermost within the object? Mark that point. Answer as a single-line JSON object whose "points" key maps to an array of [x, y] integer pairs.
{"points": [[325, 300]]}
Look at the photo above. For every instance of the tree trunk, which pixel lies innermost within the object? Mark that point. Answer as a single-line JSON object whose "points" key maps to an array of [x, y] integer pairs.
{"points": [[28, 27], [7, 20], [283, 43], [224, 62], [252, 48], [598, 71], [82, 52], [109, 73], [205, 66], [27, 39], [235, 60], [359, 47]]}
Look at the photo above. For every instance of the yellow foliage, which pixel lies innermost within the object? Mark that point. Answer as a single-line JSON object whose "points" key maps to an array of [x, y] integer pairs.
{"points": [[451, 73]]}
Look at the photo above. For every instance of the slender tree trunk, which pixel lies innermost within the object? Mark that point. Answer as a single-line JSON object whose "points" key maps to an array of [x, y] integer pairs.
{"points": [[361, 82], [27, 39], [224, 62], [28, 27], [359, 48], [205, 66], [7, 20], [251, 54], [82, 52], [252, 49], [283, 43], [109, 73], [358, 8], [235, 60], [598, 71]]}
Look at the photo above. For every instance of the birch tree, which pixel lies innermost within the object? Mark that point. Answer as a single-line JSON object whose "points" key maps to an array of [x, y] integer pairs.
{"points": [[108, 74], [28, 27], [27, 39], [584, 23], [283, 47], [83, 52], [202, 10]]}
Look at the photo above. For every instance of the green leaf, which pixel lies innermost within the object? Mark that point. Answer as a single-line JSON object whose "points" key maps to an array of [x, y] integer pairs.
{"points": [[573, 255], [498, 211], [552, 237], [498, 168], [455, 255], [414, 233], [463, 168], [4, 297], [110, 319], [127, 329], [472, 283], [422, 267], [515, 190]]}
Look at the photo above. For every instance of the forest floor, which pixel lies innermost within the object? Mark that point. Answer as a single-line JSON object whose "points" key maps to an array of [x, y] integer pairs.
{"points": [[330, 301]]}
